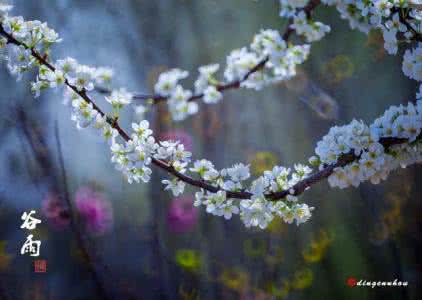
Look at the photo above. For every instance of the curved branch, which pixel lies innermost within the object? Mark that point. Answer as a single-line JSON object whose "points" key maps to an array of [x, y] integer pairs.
{"points": [[308, 9], [112, 122], [297, 189]]}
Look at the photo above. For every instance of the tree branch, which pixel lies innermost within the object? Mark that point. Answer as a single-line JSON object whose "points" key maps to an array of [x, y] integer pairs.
{"points": [[298, 188], [417, 35], [308, 9]]}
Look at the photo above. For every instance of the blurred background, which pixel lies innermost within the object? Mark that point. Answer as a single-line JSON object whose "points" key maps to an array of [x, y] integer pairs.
{"points": [[122, 241]]}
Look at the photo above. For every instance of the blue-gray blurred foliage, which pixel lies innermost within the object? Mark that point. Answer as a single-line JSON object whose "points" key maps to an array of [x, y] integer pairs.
{"points": [[372, 232]]}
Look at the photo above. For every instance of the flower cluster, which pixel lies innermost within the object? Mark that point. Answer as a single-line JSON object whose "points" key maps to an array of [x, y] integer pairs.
{"points": [[119, 98], [82, 77], [206, 84], [342, 140], [281, 60], [84, 114], [364, 142], [412, 63], [281, 65], [396, 19], [311, 30], [229, 179], [178, 98], [134, 156], [290, 7], [37, 36], [256, 211], [276, 58], [33, 34]]}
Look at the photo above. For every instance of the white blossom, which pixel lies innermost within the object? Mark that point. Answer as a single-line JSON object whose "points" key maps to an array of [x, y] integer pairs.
{"points": [[206, 77], [412, 63], [83, 78], [176, 186], [119, 98], [238, 172], [256, 213], [212, 95], [167, 81]]}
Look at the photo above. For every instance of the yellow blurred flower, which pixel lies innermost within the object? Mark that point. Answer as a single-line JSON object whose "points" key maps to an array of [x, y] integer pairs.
{"points": [[5, 258], [279, 291], [262, 161], [317, 247], [188, 259], [302, 279], [234, 279], [339, 68]]}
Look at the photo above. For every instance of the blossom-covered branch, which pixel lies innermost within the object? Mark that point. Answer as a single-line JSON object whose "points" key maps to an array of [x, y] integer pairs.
{"points": [[347, 155], [220, 86], [254, 68], [269, 59]]}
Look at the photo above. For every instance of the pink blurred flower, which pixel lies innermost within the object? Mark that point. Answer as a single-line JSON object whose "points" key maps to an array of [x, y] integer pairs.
{"points": [[94, 210], [56, 213], [182, 216], [178, 135]]}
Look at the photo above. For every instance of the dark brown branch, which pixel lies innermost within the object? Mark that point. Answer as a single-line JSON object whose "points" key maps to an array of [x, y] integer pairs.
{"points": [[301, 186], [308, 9], [43, 61], [112, 122], [298, 188], [416, 35], [343, 160]]}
